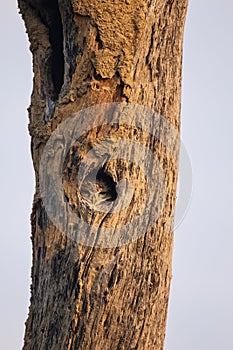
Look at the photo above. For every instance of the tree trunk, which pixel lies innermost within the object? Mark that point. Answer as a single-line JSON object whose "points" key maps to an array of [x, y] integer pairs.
{"points": [[101, 280]]}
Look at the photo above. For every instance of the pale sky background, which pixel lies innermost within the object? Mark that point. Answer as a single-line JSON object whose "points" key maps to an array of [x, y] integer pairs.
{"points": [[201, 303]]}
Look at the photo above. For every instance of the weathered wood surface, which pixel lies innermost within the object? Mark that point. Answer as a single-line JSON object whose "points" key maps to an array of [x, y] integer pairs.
{"points": [[90, 297]]}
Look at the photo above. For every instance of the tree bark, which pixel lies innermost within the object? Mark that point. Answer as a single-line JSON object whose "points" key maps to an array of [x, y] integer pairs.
{"points": [[102, 296]]}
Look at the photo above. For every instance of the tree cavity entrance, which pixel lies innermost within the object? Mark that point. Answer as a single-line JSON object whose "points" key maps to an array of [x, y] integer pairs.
{"points": [[98, 188], [106, 185]]}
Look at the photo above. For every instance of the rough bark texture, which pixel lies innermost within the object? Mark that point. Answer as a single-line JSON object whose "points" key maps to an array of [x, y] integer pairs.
{"points": [[84, 53]]}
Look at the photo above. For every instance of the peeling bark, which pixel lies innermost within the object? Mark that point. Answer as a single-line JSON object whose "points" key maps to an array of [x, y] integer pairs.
{"points": [[87, 53]]}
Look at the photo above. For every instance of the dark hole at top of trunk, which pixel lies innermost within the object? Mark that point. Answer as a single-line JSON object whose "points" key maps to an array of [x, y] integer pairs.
{"points": [[57, 58], [54, 23], [50, 15]]}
